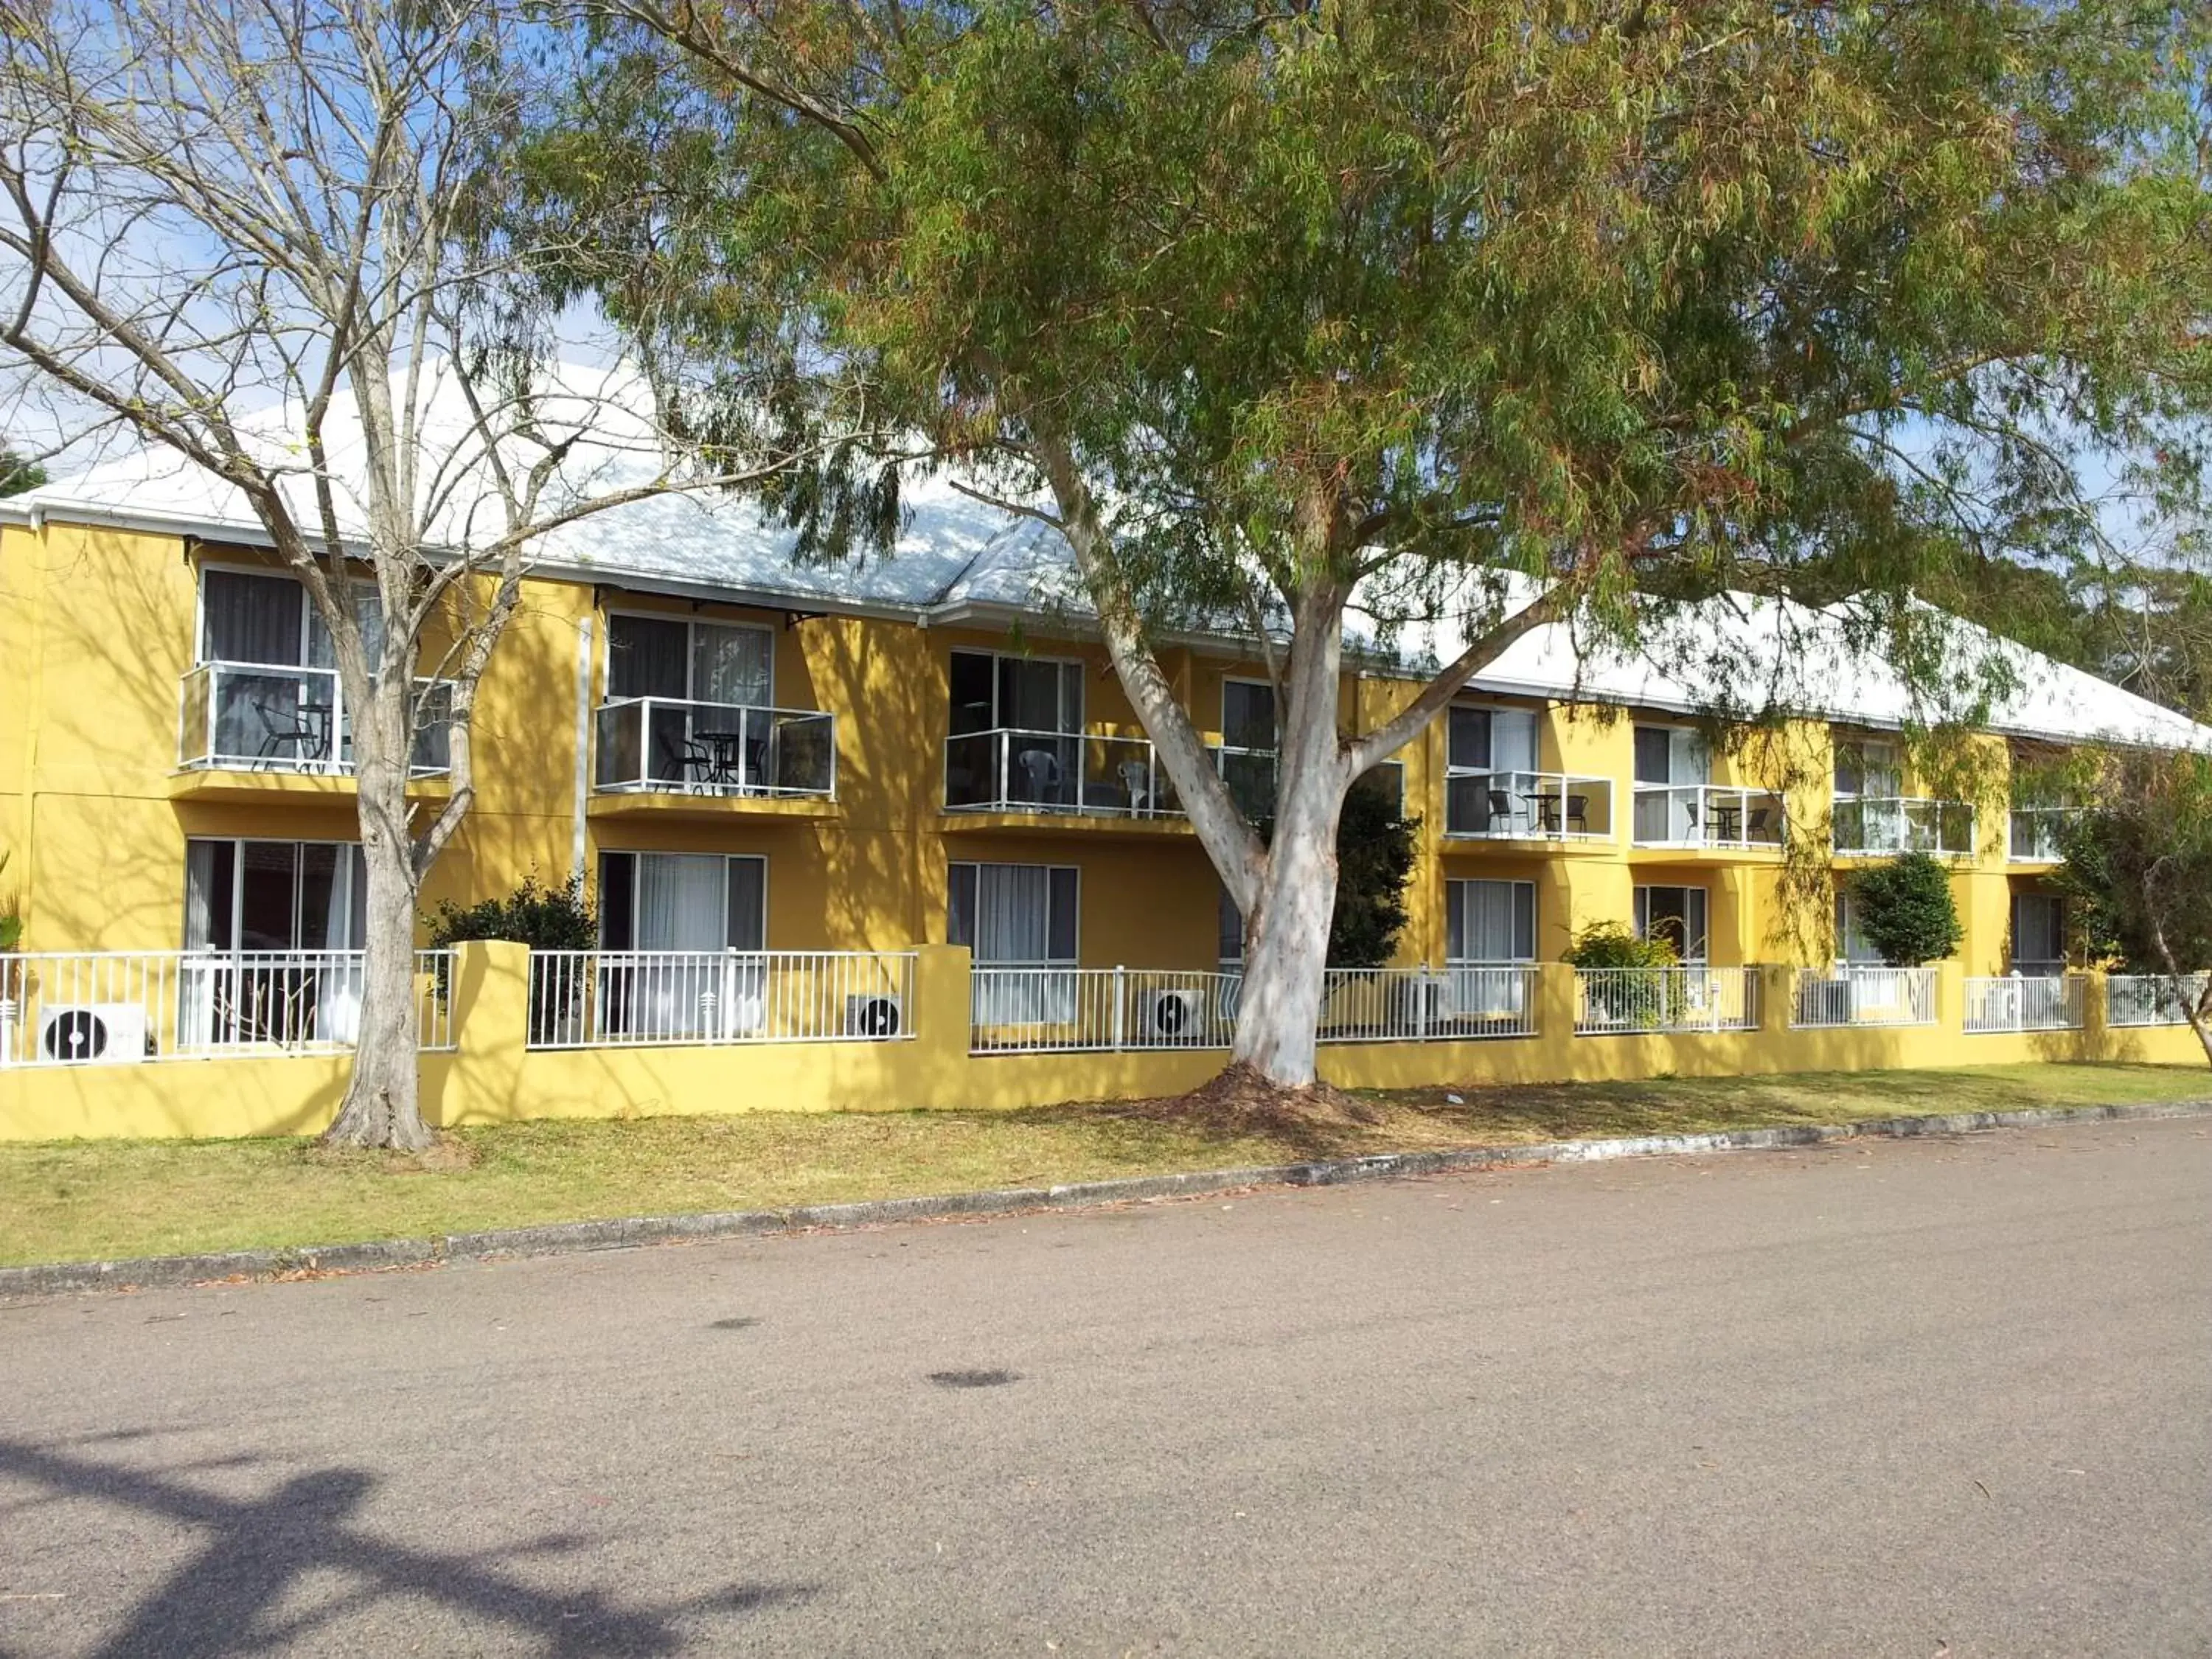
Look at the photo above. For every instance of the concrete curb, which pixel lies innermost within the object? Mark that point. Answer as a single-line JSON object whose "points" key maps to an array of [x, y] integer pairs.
{"points": [[561, 1238]]}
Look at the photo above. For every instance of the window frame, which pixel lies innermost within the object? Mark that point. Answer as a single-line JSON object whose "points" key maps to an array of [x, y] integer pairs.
{"points": [[350, 871], [953, 930], [1456, 896], [636, 879], [1640, 908], [690, 623]]}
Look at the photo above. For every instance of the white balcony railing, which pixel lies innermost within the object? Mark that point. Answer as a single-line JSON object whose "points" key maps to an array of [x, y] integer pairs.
{"points": [[2032, 833], [1865, 996], [1690, 998], [1088, 775], [1463, 1001], [1492, 805], [662, 746], [1692, 815], [123, 1007], [261, 717], [2152, 999], [2023, 1002], [633, 998], [1901, 823]]}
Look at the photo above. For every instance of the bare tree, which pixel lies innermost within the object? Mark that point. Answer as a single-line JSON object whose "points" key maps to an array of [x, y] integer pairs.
{"points": [[264, 235]]}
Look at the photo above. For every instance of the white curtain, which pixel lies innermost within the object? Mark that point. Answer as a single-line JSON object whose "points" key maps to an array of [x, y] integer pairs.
{"points": [[732, 665], [1512, 740], [1012, 913], [681, 903]]}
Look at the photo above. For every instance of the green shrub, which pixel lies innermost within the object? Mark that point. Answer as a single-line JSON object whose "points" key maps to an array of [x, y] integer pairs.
{"points": [[1905, 910], [11, 915], [1610, 945], [544, 918], [1374, 857]]}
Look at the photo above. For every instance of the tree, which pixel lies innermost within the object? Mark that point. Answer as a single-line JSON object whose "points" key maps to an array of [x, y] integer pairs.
{"points": [[1906, 912], [260, 237], [2138, 872], [1374, 857], [18, 474], [1465, 315]]}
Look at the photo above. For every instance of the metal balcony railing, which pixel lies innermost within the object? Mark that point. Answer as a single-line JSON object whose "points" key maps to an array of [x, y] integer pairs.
{"points": [[1902, 824], [2023, 1002], [668, 746], [1481, 804], [1865, 996], [2152, 999], [1087, 773], [1690, 998], [1694, 815], [264, 717], [2033, 833]]}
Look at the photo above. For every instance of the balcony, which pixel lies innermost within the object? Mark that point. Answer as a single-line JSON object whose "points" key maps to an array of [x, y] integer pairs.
{"points": [[1087, 774], [2032, 833], [1483, 806], [660, 753], [1875, 825], [279, 720], [1704, 814]]}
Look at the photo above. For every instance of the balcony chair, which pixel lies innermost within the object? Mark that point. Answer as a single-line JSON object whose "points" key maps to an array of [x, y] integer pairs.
{"points": [[1501, 806], [1756, 826], [686, 760], [1039, 770], [1578, 812], [295, 724], [1137, 785]]}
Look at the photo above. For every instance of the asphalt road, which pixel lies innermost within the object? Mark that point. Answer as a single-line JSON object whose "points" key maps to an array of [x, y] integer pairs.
{"points": [[1917, 1399]]}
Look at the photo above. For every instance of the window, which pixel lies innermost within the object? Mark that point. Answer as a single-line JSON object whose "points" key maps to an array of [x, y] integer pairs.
{"points": [[1672, 766], [993, 693], [1868, 768], [1248, 715], [274, 896], [266, 619], [1490, 739], [1014, 914], [1490, 921], [2038, 933], [1229, 946], [690, 661], [682, 902], [1851, 946], [1676, 915], [1671, 754]]}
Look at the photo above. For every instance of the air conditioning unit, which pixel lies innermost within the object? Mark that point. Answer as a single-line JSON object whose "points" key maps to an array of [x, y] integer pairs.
{"points": [[1431, 998], [1174, 1014], [113, 1032], [877, 1014]]}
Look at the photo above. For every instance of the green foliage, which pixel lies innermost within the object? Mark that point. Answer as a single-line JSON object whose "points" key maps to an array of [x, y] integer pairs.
{"points": [[2138, 868], [544, 918], [1905, 910], [1374, 858], [1611, 944], [11, 913], [18, 475]]}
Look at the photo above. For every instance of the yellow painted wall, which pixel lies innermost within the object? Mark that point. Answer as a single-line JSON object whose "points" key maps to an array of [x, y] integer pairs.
{"points": [[96, 634], [492, 1077]]}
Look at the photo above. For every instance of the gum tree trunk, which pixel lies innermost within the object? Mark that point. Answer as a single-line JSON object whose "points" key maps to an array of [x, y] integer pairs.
{"points": [[382, 1105]]}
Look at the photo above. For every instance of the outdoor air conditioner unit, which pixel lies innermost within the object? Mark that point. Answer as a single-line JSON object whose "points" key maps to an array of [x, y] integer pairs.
{"points": [[112, 1032], [1174, 1014], [1438, 1001], [874, 1014]]}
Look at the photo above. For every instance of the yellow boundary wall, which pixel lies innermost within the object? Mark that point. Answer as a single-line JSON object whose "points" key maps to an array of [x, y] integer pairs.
{"points": [[491, 1077]]}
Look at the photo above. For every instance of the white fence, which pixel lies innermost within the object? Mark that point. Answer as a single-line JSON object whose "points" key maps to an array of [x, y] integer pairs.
{"points": [[1460, 1002], [623, 999], [2023, 1002], [1033, 1009], [1687, 998], [2151, 998], [1865, 996], [119, 1006]]}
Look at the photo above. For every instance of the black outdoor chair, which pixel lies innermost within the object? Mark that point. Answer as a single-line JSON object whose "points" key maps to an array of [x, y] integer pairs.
{"points": [[1755, 826], [1578, 812], [686, 761], [292, 725], [1501, 806]]}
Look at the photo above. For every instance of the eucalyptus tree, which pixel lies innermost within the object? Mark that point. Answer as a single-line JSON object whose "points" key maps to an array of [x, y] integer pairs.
{"points": [[256, 235], [1472, 316]]}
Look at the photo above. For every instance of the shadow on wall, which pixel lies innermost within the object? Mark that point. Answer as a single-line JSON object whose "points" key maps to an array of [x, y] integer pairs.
{"points": [[241, 1589]]}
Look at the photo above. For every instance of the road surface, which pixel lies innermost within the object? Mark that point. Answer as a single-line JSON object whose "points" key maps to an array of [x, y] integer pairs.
{"points": [[1924, 1399]]}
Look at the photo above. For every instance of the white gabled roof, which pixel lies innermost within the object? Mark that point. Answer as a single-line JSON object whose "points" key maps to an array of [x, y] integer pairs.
{"points": [[957, 557]]}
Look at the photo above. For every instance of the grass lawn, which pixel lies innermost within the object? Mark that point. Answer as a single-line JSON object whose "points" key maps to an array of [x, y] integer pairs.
{"points": [[77, 1201]]}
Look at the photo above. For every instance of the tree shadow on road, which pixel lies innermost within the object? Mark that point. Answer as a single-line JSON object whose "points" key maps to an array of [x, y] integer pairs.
{"points": [[229, 1598]]}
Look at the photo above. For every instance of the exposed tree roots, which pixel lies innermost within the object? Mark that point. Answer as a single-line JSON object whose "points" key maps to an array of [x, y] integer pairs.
{"points": [[1240, 1101]]}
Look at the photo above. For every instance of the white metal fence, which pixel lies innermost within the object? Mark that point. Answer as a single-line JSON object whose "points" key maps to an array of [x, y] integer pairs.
{"points": [[1684, 998], [603, 999], [2151, 998], [1032, 1009], [1865, 996], [1459, 1002], [2023, 1002], [115, 1007]]}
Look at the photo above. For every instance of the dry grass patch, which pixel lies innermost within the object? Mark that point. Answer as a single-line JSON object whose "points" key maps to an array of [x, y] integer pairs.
{"points": [[88, 1200]]}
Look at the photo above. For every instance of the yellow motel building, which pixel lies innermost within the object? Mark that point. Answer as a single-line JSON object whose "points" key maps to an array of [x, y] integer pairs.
{"points": [[889, 835]]}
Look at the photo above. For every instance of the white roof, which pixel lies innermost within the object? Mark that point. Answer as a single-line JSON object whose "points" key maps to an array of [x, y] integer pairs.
{"points": [[956, 557]]}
